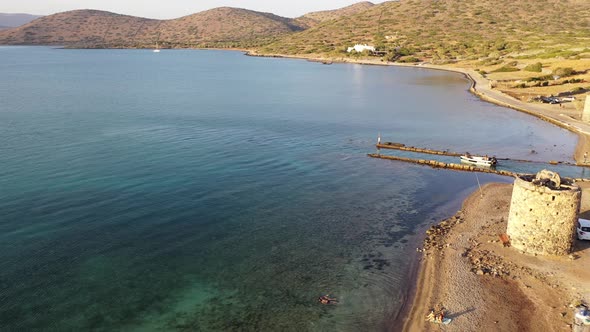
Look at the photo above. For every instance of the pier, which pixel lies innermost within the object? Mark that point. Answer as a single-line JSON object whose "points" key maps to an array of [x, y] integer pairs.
{"points": [[440, 164], [403, 147], [458, 166]]}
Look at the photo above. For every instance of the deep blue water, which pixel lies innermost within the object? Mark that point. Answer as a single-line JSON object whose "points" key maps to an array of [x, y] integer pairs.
{"points": [[210, 191]]}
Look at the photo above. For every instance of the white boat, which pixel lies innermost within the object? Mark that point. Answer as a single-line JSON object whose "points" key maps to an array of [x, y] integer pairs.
{"points": [[157, 49], [479, 160]]}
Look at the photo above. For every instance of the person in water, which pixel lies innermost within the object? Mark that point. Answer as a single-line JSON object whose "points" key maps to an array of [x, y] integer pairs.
{"points": [[326, 299]]}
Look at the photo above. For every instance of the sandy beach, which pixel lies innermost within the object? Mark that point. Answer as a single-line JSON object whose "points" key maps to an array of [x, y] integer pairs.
{"points": [[518, 292], [524, 292], [466, 270]]}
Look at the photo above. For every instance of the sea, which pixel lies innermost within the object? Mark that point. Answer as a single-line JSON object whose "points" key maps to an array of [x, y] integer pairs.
{"points": [[204, 190]]}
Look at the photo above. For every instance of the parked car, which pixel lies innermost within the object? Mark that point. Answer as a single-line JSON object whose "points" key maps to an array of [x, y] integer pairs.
{"points": [[583, 229], [550, 100], [582, 315]]}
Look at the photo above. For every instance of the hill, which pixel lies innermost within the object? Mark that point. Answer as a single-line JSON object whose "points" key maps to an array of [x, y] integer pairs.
{"points": [[220, 27], [525, 49], [315, 18], [15, 20], [227, 26], [450, 29], [81, 28]]}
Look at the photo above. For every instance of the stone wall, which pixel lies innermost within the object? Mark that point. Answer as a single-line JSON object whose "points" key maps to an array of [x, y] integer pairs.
{"points": [[542, 220]]}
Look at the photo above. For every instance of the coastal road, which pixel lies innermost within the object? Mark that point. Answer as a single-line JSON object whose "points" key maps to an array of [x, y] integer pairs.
{"points": [[548, 112]]}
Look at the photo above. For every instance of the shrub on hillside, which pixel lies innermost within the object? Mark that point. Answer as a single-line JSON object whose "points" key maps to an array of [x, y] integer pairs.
{"points": [[541, 78], [505, 69], [563, 72], [534, 67], [574, 80], [409, 59]]}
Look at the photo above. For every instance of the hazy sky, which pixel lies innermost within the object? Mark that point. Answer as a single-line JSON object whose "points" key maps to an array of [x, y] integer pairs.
{"points": [[170, 8]]}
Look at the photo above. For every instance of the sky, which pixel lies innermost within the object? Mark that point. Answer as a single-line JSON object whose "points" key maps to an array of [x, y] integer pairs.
{"points": [[171, 8]]}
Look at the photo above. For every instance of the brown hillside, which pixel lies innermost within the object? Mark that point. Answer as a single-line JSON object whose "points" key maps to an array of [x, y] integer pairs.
{"points": [[91, 28], [226, 25], [451, 29], [327, 15], [81, 27]]}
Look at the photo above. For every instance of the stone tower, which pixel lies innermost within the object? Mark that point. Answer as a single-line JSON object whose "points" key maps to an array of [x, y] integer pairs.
{"points": [[586, 111], [543, 214]]}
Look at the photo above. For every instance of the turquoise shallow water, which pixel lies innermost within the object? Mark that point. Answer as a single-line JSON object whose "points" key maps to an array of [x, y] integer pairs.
{"points": [[209, 191]]}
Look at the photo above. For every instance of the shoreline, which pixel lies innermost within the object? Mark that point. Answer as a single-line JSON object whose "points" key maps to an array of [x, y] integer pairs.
{"points": [[480, 86], [509, 300], [423, 267], [519, 293], [414, 272]]}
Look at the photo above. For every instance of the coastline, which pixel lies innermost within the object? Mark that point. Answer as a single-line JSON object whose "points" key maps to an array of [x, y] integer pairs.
{"points": [[527, 298], [480, 86], [416, 259], [523, 293]]}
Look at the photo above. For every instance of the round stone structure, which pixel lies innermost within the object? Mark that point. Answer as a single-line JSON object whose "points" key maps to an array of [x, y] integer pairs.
{"points": [[543, 214]]}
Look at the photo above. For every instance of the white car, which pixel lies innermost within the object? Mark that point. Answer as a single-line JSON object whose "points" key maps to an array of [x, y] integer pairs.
{"points": [[582, 315], [583, 229]]}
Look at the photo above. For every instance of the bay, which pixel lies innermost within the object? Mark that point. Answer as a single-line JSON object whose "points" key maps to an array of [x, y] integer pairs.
{"points": [[210, 191]]}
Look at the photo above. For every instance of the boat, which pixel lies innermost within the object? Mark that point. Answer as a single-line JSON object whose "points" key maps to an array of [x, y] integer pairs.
{"points": [[157, 49], [479, 160]]}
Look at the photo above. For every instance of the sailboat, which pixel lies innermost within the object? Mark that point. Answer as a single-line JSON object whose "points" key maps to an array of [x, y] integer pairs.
{"points": [[157, 49]]}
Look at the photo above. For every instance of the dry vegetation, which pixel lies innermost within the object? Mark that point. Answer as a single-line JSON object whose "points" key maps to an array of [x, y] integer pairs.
{"points": [[315, 18], [452, 29], [500, 38], [220, 27], [526, 48]]}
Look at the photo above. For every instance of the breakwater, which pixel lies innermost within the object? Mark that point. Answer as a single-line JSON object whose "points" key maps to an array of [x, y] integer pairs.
{"points": [[440, 164], [403, 147], [456, 167]]}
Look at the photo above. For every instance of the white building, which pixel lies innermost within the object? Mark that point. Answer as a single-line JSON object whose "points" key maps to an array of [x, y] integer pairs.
{"points": [[359, 48]]}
